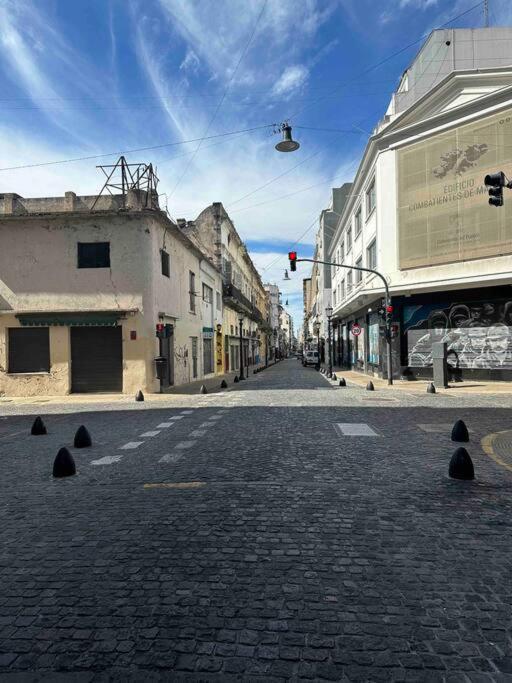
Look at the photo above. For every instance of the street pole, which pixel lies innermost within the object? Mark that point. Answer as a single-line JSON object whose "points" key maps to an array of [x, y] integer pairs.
{"points": [[330, 346], [388, 305], [241, 376]]}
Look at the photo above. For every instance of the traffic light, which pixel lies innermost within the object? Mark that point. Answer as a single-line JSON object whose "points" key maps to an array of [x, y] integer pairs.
{"points": [[292, 255], [160, 330], [389, 315], [495, 182]]}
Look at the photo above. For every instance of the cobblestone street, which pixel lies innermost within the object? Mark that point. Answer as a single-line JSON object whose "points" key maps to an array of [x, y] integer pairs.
{"points": [[287, 529]]}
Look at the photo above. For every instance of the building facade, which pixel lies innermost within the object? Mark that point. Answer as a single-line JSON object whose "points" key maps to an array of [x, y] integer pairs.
{"points": [[83, 289], [245, 321], [418, 213]]}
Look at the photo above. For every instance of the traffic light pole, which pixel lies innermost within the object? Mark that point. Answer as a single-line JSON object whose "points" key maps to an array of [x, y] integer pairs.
{"points": [[388, 305]]}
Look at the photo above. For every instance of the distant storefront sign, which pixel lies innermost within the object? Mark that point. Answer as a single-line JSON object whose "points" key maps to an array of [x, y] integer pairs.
{"points": [[443, 213]]}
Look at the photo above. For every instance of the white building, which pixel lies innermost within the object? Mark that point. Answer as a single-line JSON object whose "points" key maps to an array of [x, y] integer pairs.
{"points": [[418, 213]]}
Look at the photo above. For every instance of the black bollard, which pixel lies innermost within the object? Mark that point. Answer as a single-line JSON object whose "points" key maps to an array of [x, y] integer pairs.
{"points": [[139, 396], [460, 432], [343, 382], [370, 387], [38, 428], [461, 465], [334, 376], [223, 384], [236, 379], [82, 438], [64, 465], [329, 375], [431, 388], [203, 389]]}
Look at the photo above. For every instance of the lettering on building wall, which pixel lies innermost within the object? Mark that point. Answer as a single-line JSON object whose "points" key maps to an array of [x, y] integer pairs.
{"points": [[443, 213]]}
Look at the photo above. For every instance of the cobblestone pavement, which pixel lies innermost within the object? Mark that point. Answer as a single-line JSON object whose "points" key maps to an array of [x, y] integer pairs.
{"points": [[248, 536]]}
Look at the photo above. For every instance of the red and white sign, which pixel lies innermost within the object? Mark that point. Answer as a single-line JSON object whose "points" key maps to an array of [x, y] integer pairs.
{"points": [[356, 329]]}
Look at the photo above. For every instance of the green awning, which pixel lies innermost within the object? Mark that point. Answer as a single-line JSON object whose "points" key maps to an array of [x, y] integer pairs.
{"points": [[104, 319]]}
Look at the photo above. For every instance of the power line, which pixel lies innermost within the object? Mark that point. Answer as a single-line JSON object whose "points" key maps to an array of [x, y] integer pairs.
{"points": [[138, 149], [219, 105], [386, 59]]}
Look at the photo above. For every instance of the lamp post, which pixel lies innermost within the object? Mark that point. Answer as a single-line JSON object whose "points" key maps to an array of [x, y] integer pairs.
{"points": [[241, 375], [328, 313], [316, 330]]}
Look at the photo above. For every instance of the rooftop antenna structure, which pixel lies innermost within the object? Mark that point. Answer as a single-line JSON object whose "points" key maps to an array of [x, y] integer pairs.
{"points": [[486, 13], [123, 177]]}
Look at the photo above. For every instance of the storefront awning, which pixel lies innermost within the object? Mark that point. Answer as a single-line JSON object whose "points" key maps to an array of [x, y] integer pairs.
{"points": [[103, 319]]}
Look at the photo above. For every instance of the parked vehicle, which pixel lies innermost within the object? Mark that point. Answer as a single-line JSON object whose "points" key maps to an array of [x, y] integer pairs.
{"points": [[310, 358]]}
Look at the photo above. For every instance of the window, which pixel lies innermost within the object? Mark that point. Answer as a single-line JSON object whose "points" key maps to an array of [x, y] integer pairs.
{"points": [[370, 198], [194, 357], [207, 294], [334, 298], [357, 222], [359, 274], [349, 282], [165, 262], [371, 255], [29, 349], [342, 290], [349, 239], [192, 291], [342, 252], [219, 304], [94, 254]]}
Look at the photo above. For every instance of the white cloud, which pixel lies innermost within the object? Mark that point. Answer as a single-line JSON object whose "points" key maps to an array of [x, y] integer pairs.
{"points": [[292, 78], [191, 62]]}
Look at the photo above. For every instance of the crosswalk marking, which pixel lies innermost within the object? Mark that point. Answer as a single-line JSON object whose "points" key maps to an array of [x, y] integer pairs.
{"points": [[164, 425], [176, 417], [184, 444], [354, 429], [186, 412], [206, 424], [198, 432], [170, 457], [107, 460], [131, 444], [153, 433]]}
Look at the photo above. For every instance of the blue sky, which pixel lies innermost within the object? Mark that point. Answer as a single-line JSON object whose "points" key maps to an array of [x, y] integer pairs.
{"points": [[85, 77]]}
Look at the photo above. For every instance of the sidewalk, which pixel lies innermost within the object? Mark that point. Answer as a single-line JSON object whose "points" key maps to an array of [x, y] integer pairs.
{"points": [[420, 386], [212, 384]]}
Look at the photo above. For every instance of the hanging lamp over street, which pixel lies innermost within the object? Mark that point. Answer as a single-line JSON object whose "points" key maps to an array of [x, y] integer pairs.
{"points": [[286, 276], [287, 144]]}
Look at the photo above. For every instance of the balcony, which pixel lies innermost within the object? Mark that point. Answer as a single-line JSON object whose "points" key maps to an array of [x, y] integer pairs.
{"points": [[234, 298]]}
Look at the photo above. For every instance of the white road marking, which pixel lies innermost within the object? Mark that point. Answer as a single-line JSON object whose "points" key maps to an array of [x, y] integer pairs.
{"points": [[176, 417], [184, 444], [216, 417], [198, 432], [355, 429], [170, 457], [107, 460], [206, 424], [164, 425], [186, 412], [153, 433], [131, 444], [438, 428]]}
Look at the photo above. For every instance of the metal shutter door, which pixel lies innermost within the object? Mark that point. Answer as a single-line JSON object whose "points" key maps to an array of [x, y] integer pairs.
{"points": [[96, 359]]}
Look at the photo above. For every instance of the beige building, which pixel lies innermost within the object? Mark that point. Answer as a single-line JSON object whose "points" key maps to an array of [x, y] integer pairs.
{"points": [[84, 294], [245, 300]]}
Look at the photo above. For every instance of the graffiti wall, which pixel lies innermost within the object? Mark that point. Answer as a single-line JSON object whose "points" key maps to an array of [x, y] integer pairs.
{"points": [[478, 334]]}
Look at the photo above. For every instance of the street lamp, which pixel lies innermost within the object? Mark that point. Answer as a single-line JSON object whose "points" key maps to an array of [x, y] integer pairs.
{"points": [[316, 330], [241, 375], [328, 313]]}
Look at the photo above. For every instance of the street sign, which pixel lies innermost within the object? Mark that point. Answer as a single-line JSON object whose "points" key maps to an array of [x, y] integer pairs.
{"points": [[356, 330]]}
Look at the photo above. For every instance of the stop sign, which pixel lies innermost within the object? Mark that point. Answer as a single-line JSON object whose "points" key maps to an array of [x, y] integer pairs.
{"points": [[356, 329]]}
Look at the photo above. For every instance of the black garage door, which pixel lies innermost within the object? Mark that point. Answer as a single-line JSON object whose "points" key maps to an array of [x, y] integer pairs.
{"points": [[96, 359]]}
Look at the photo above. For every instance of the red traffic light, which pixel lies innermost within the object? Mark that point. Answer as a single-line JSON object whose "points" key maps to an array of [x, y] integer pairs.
{"points": [[389, 309], [292, 255], [159, 327]]}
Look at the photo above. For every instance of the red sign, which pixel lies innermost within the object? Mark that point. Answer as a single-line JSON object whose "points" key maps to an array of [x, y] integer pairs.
{"points": [[356, 330]]}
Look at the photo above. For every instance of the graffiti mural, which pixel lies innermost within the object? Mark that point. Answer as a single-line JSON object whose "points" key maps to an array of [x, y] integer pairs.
{"points": [[478, 334]]}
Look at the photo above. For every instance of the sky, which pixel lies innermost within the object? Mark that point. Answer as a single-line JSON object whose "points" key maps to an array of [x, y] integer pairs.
{"points": [[92, 77]]}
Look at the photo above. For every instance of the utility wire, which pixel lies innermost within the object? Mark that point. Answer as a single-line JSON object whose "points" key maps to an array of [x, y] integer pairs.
{"points": [[386, 59], [219, 105], [138, 149]]}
